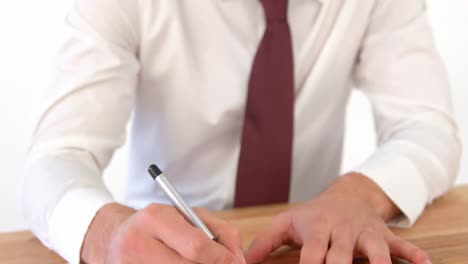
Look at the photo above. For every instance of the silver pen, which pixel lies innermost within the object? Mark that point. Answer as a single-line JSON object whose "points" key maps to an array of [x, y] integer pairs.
{"points": [[177, 200]]}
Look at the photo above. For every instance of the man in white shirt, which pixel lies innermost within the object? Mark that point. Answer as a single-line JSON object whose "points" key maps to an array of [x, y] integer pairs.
{"points": [[184, 71]]}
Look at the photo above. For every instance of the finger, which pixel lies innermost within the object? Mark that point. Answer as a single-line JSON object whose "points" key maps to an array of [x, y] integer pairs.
{"points": [[342, 245], [157, 252], [192, 243], [142, 248], [404, 249], [270, 239], [314, 251], [374, 247], [315, 242], [225, 233]]}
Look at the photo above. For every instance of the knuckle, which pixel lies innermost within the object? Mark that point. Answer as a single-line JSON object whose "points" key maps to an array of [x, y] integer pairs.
{"points": [[153, 213], [372, 241], [283, 219], [368, 235], [224, 258], [126, 243], [150, 211], [340, 249], [143, 218], [344, 226], [343, 231], [321, 220], [317, 245], [152, 208], [194, 249], [232, 231], [369, 231]]}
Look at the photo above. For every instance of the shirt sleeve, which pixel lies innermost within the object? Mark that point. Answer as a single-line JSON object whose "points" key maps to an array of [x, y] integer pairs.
{"points": [[84, 121], [405, 80]]}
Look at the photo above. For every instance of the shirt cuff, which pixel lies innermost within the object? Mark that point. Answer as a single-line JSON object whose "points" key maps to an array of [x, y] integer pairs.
{"points": [[400, 180], [71, 218]]}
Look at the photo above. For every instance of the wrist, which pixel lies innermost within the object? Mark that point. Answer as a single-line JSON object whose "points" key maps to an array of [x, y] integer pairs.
{"points": [[107, 219], [359, 185]]}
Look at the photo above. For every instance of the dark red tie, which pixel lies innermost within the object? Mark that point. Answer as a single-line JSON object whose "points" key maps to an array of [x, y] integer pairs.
{"points": [[264, 168]]}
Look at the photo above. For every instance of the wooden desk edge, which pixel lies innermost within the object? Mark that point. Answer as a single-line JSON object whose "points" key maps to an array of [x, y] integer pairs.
{"points": [[13, 245]]}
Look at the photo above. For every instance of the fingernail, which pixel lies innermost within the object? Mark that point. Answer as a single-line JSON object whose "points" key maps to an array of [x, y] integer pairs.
{"points": [[428, 262]]}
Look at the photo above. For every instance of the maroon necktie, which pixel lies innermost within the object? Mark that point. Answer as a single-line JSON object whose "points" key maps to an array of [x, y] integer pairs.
{"points": [[264, 168]]}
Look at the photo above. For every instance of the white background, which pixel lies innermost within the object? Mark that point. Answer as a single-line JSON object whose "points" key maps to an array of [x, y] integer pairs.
{"points": [[29, 35]]}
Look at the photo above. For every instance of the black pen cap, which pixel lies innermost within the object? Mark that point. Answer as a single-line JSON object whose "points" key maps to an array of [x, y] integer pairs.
{"points": [[154, 171]]}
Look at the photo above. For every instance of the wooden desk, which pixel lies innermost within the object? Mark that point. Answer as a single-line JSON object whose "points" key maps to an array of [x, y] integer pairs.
{"points": [[442, 231]]}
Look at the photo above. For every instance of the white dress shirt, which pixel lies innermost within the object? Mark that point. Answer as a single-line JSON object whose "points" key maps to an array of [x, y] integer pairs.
{"points": [[178, 71]]}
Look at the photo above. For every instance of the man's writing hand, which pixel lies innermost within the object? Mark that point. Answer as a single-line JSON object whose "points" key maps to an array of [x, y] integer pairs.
{"points": [[158, 234]]}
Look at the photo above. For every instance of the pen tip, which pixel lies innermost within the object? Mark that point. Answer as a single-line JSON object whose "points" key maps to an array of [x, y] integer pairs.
{"points": [[154, 171]]}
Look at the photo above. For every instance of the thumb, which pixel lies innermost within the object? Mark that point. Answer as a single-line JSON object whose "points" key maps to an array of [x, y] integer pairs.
{"points": [[270, 239], [226, 234]]}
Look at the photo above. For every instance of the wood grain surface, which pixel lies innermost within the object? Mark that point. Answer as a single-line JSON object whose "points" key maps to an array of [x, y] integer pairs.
{"points": [[442, 231]]}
